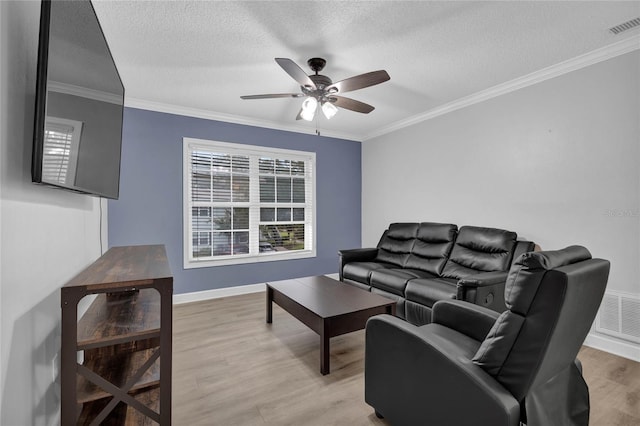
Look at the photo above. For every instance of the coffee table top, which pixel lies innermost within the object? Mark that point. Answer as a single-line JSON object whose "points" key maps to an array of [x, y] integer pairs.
{"points": [[327, 297]]}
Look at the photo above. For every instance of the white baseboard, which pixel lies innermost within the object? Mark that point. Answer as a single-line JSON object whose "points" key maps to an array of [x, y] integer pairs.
{"points": [[613, 346], [198, 296], [217, 293]]}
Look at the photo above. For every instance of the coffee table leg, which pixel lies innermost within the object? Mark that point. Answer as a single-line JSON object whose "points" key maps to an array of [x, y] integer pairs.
{"points": [[269, 305], [391, 310], [324, 352]]}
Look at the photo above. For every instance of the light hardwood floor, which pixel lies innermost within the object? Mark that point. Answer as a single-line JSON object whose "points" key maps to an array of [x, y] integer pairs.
{"points": [[231, 368]]}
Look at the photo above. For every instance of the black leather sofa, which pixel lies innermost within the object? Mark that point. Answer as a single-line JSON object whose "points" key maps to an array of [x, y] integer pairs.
{"points": [[418, 264]]}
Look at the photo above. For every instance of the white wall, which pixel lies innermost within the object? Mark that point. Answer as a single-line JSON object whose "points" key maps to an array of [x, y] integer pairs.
{"points": [[3, 114], [557, 162], [46, 236]]}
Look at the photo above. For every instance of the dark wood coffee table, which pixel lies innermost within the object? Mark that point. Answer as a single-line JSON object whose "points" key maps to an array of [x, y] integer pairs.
{"points": [[328, 307]]}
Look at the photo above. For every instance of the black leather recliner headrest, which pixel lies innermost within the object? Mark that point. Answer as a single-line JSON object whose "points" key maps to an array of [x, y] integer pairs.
{"points": [[527, 273], [554, 259]]}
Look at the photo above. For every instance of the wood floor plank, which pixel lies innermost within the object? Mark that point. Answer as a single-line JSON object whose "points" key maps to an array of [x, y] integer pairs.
{"points": [[231, 368], [614, 387]]}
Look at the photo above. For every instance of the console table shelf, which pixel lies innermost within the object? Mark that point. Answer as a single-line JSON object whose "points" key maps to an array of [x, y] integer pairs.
{"points": [[119, 318], [117, 369], [124, 338]]}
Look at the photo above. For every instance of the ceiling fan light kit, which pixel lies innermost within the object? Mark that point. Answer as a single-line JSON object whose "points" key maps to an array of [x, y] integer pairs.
{"points": [[329, 110], [319, 89], [309, 107]]}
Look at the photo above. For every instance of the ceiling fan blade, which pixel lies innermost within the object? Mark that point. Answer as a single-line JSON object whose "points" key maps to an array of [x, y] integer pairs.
{"points": [[296, 72], [352, 104], [273, 95], [359, 81]]}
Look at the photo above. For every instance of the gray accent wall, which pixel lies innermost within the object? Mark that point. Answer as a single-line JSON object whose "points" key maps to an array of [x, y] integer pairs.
{"points": [[150, 209]]}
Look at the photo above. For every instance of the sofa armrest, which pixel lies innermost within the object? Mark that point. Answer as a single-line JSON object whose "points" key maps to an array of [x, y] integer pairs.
{"points": [[484, 289], [469, 319], [415, 376], [484, 279], [358, 255], [355, 255]]}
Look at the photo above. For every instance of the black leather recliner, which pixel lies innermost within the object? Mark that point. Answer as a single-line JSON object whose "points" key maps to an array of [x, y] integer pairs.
{"points": [[474, 366]]}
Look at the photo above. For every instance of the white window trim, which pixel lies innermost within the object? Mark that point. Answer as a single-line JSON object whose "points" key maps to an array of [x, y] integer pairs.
{"points": [[241, 149], [74, 148]]}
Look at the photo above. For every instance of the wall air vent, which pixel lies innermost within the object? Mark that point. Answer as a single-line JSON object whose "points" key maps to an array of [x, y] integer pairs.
{"points": [[619, 316], [625, 26]]}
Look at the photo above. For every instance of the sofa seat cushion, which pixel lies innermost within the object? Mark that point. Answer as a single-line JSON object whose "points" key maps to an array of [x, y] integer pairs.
{"points": [[416, 313], [427, 291], [400, 302], [395, 280], [361, 271], [361, 286]]}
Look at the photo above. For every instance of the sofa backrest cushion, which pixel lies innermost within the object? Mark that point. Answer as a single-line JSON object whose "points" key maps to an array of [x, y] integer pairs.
{"points": [[396, 243], [433, 244], [480, 250]]}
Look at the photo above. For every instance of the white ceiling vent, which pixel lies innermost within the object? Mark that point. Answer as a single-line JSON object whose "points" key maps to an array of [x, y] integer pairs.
{"points": [[625, 26]]}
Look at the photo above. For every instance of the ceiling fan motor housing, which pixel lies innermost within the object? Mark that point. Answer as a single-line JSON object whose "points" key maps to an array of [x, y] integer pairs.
{"points": [[321, 81]]}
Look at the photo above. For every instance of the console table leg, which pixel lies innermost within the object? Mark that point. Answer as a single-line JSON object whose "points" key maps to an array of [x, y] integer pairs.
{"points": [[324, 352]]}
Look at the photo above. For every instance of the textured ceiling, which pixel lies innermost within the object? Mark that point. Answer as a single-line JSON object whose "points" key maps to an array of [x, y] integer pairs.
{"points": [[202, 55]]}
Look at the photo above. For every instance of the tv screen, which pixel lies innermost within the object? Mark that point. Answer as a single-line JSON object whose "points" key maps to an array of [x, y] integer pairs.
{"points": [[79, 103]]}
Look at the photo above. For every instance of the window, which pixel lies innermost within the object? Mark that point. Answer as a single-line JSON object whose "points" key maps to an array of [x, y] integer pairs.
{"points": [[60, 150], [246, 204]]}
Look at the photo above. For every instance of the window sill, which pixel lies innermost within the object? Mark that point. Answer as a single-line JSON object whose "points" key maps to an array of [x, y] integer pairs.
{"points": [[247, 259]]}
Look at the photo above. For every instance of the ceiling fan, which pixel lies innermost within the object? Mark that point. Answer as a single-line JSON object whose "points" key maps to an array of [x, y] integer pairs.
{"points": [[320, 90]]}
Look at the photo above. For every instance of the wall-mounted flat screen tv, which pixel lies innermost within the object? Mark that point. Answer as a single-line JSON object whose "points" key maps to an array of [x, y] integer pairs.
{"points": [[79, 103]]}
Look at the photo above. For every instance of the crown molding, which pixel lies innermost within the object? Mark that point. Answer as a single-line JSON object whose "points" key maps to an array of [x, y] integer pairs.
{"points": [[582, 61], [599, 55], [84, 92], [230, 118]]}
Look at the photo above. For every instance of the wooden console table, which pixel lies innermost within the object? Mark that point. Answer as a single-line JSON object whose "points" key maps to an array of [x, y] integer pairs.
{"points": [[125, 337]]}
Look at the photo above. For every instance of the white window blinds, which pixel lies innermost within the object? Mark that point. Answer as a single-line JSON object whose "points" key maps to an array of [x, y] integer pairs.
{"points": [[60, 150], [247, 203]]}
